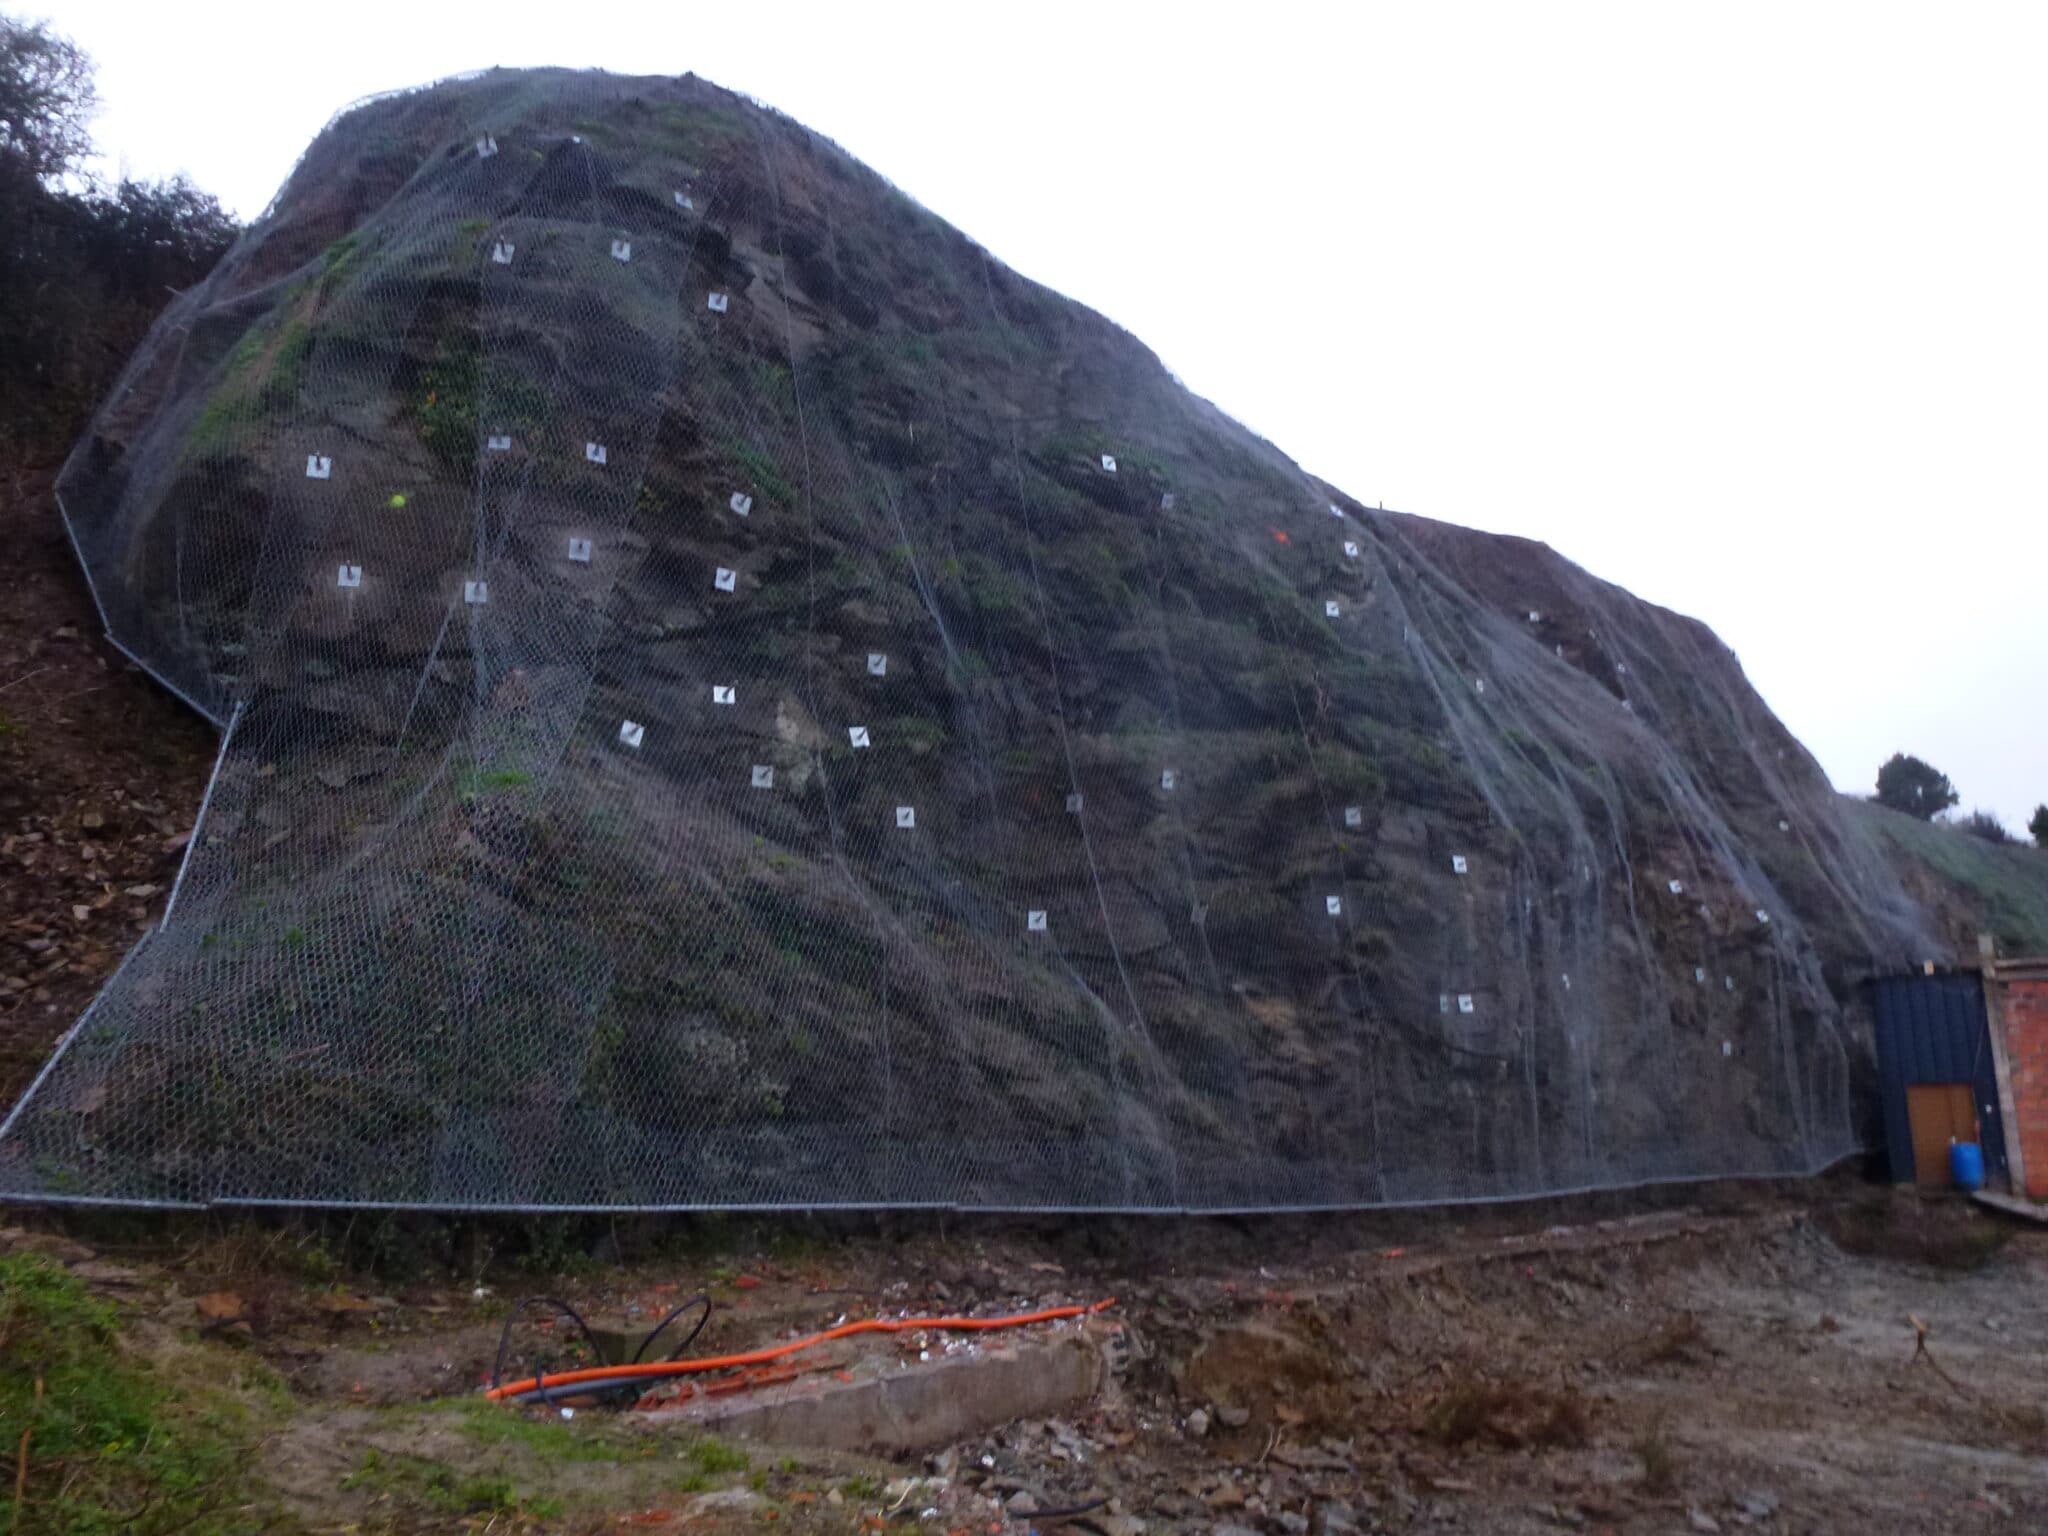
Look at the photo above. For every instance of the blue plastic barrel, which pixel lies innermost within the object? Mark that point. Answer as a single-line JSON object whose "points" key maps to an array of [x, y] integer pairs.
{"points": [[1966, 1164]]}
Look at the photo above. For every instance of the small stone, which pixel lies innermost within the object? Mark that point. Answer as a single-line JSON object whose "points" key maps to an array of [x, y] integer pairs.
{"points": [[92, 821], [1123, 1525], [100, 1272], [1198, 1423], [81, 913], [1700, 1520], [835, 1498], [1759, 1503], [1292, 1523], [1234, 1418], [142, 892], [725, 1498], [1338, 1518]]}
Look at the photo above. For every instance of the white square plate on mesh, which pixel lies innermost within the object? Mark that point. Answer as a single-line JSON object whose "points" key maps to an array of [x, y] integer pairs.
{"points": [[1334, 905], [502, 252], [683, 201], [622, 250], [486, 147], [857, 734], [725, 581], [1677, 887], [1465, 1002], [764, 776], [1034, 921], [1350, 550], [906, 816], [1168, 779], [349, 576], [318, 466], [1166, 502], [632, 732], [741, 503], [579, 551], [1073, 805], [596, 453], [1329, 610], [498, 442], [716, 303], [476, 591], [1354, 815], [878, 664], [724, 693], [1458, 865], [1109, 462]]}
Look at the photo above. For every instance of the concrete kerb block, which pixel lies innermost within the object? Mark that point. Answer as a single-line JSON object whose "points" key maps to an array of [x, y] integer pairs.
{"points": [[908, 1408]]}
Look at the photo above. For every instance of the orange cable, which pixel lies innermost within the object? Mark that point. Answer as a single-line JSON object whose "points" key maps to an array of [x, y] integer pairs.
{"points": [[776, 1352]]}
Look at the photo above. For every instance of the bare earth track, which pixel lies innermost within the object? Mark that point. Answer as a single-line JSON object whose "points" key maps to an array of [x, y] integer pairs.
{"points": [[1745, 1361]]}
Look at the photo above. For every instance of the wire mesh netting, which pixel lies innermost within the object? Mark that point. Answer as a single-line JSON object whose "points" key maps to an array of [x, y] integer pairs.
{"points": [[732, 697]]}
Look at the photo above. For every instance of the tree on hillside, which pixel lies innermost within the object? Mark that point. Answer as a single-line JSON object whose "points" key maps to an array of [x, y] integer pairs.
{"points": [[46, 100], [2038, 826], [82, 272], [1986, 826], [1918, 788]]}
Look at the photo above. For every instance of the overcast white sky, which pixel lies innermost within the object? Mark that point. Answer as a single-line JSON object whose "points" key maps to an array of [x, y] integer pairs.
{"points": [[1744, 306]]}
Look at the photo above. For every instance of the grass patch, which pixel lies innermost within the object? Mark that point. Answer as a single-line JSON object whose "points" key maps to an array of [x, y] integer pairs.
{"points": [[546, 1440], [715, 1458], [416, 1480], [112, 1448], [492, 781]]}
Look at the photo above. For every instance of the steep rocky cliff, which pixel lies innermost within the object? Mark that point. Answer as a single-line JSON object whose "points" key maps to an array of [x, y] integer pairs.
{"points": [[734, 697]]}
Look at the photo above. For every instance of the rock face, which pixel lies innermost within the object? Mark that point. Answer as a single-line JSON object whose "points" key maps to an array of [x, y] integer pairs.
{"points": [[733, 697]]}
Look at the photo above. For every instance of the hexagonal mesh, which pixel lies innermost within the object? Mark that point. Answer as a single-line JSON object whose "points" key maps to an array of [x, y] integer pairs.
{"points": [[734, 698]]}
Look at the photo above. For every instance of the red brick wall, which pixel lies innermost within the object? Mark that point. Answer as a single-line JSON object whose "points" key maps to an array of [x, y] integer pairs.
{"points": [[2024, 1004]]}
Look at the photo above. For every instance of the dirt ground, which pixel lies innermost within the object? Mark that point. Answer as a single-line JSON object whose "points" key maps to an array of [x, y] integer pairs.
{"points": [[100, 776], [1744, 1361]]}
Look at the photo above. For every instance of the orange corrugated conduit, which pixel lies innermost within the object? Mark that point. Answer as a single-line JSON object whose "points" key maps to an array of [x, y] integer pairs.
{"points": [[660, 1368]]}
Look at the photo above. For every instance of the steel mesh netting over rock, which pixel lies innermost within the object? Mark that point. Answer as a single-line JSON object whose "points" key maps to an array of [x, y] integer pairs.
{"points": [[733, 697]]}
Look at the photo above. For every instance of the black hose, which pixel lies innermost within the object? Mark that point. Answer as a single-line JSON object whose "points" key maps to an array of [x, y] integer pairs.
{"points": [[699, 1298], [627, 1387], [562, 1309]]}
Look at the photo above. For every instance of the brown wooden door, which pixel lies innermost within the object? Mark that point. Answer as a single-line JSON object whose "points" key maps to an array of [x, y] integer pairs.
{"points": [[1938, 1113]]}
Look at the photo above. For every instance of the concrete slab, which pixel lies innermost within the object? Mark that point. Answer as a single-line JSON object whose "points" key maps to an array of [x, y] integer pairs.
{"points": [[912, 1408], [2012, 1205]]}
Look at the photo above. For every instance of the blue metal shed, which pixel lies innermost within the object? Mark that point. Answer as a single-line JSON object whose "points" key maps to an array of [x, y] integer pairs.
{"points": [[1932, 1030]]}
